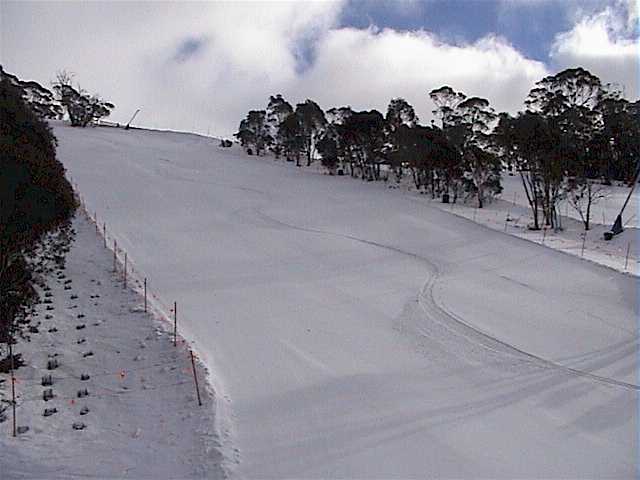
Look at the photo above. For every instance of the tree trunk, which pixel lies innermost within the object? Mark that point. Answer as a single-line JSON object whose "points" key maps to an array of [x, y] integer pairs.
{"points": [[530, 191], [588, 215], [309, 143]]}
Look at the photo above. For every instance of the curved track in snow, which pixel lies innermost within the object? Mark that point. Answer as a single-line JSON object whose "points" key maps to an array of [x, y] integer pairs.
{"points": [[437, 311]]}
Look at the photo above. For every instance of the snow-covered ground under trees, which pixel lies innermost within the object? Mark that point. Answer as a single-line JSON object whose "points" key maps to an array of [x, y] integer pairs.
{"points": [[140, 417], [352, 331], [621, 253]]}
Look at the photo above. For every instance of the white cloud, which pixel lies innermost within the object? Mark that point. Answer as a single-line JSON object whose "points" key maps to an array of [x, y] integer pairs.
{"points": [[604, 43], [127, 52], [366, 68]]}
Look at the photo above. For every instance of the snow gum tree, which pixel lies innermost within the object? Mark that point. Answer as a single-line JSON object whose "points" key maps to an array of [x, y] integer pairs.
{"points": [[81, 108], [568, 102], [426, 151], [291, 138], [446, 100], [254, 132], [312, 124], [475, 117], [538, 150], [467, 123], [336, 117], [41, 100], [364, 139], [277, 111], [617, 143], [328, 150], [399, 113]]}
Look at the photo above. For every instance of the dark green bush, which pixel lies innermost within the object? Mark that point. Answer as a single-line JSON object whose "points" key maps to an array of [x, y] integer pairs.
{"points": [[35, 199]]}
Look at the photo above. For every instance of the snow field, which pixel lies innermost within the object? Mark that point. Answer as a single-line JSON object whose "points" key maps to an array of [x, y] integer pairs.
{"points": [[356, 331]]}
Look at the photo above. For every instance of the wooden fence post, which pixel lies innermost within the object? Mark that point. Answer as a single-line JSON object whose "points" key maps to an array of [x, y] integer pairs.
{"points": [[115, 249], [125, 269], [145, 294], [195, 377]]}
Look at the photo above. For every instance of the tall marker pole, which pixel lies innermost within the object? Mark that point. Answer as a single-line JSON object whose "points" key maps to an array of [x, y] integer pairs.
{"points": [[175, 324]]}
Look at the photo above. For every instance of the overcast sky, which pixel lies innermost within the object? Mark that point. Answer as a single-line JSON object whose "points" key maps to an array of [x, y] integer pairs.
{"points": [[202, 66]]}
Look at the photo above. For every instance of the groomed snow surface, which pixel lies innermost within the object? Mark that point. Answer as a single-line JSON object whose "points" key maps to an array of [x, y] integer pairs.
{"points": [[352, 330]]}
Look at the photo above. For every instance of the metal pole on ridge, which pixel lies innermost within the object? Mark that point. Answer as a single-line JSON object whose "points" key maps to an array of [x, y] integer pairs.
{"points": [[617, 226]]}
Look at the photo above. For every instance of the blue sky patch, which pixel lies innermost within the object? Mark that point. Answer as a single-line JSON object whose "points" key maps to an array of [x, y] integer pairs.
{"points": [[530, 26], [188, 48]]}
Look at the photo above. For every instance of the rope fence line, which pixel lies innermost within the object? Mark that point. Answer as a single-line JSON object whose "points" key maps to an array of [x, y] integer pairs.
{"points": [[103, 393], [138, 283], [159, 308], [120, 372]]}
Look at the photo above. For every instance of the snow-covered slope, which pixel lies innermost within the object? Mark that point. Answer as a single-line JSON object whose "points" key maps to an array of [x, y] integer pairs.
{"points": [[359, 333], [140, 417]]}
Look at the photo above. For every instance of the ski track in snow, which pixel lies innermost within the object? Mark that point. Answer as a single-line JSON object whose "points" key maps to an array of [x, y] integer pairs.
{"points": [[438, 312]]}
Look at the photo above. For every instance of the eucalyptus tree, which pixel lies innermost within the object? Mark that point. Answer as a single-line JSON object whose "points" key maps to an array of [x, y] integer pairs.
{"points": [[364, 142], [312, 124], [254, 132], [291, 138], [399, 113], [475, 118], [277, 111], [570, 102], [81, 108]]}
